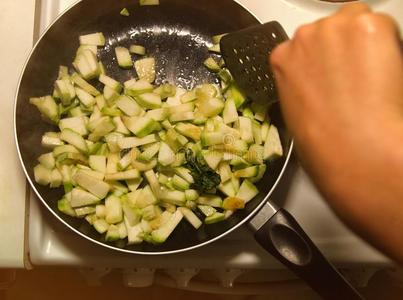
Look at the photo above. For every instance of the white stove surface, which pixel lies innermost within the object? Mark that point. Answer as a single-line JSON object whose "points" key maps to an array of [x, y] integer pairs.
{"points": [[50, 243]]}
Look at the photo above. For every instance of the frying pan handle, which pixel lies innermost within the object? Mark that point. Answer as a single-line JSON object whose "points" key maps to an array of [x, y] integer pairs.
{"points": [[282, 237]]}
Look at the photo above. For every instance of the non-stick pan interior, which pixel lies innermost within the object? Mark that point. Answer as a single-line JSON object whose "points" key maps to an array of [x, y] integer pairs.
{"points": [[176, 34]]}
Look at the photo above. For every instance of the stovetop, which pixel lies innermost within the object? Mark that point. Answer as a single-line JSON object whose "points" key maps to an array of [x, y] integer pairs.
{"points": [[50, 243]]}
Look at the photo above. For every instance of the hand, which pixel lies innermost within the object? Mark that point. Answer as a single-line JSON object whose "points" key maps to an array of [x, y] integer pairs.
{"points": [[340, 82]]}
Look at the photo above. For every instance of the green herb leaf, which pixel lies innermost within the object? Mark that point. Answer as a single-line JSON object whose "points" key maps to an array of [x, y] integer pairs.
{"points": [[205, 179]]}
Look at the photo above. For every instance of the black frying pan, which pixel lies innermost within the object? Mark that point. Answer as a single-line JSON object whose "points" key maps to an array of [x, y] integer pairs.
{"points": [[176, 34]]}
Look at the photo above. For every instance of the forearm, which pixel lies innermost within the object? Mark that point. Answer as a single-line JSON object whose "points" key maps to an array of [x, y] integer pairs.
{"points": [[340, 82]]}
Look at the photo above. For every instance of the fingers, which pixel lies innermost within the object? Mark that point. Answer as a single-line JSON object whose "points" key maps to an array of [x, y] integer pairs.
{"points": [[278, 55]]}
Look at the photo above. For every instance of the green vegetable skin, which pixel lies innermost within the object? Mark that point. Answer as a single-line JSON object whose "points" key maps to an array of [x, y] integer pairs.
{"points": [[135, 159]]}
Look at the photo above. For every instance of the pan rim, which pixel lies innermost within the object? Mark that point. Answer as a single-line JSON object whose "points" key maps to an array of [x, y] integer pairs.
{"points": [[111, 247]]}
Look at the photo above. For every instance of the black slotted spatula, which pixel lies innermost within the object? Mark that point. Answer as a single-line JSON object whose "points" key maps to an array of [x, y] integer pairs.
{"points": [[246, 54]]}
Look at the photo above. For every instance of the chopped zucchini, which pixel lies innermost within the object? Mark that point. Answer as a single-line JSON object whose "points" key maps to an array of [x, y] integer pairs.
{"points": [[247, 191], [191, 217], [95, 39], [137, 49], [125, 12], [145, 69], [215, 218], [123, 57], [272, 145]]}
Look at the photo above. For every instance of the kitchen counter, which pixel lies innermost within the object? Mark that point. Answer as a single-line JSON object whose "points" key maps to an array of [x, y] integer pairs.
{"points": [[16, 30]]}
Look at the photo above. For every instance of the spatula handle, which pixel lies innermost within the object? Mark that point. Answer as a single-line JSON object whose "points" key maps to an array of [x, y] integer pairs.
{"points": [[282, 236]]}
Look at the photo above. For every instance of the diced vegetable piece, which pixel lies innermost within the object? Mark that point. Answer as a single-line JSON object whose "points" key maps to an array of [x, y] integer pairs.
{"points": [[153, 181], [262, 170], [112, 234], [184, 173], [148, 154], [191, 195], [42, 174], [134, 233], [212, 138], [211, 64], [133, 184], [125, 12], [138, 87], [125, 175], [160, 235], [66, 90], [265, 130], [47, 160], [233, 203], [230, 113], [217, 38], [137, 49], [180, 183], [114, 211], [80, 198], [85, 97], [166, 90], [213, 158], [149, 2], [159, 114], [149, 100], [64, 206], [96, 39], [207, 210], [77, 124], [257, 133], [141, 126], [123, 57], [101, 226], [211, 107], [55, 178], [91, 184], [100, 211], [47, 107], [149, 212], [146, 198], [225, 171], [75, 139], [255, 154], [173, 197], [237, 95], [227, 189], [51, 140], [165, 156], [247, 172], [145, 69], [210, 200], [225, 76], [247, 191], [215, 48], [215, 218], [120, 127], [245, 127], [83, 211], [189, 130], [132, 215], [272, 146], [128, 106], [110, 82], [189, 96], [130, 142], [110, 95], [247, 112], [191, 217]]}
